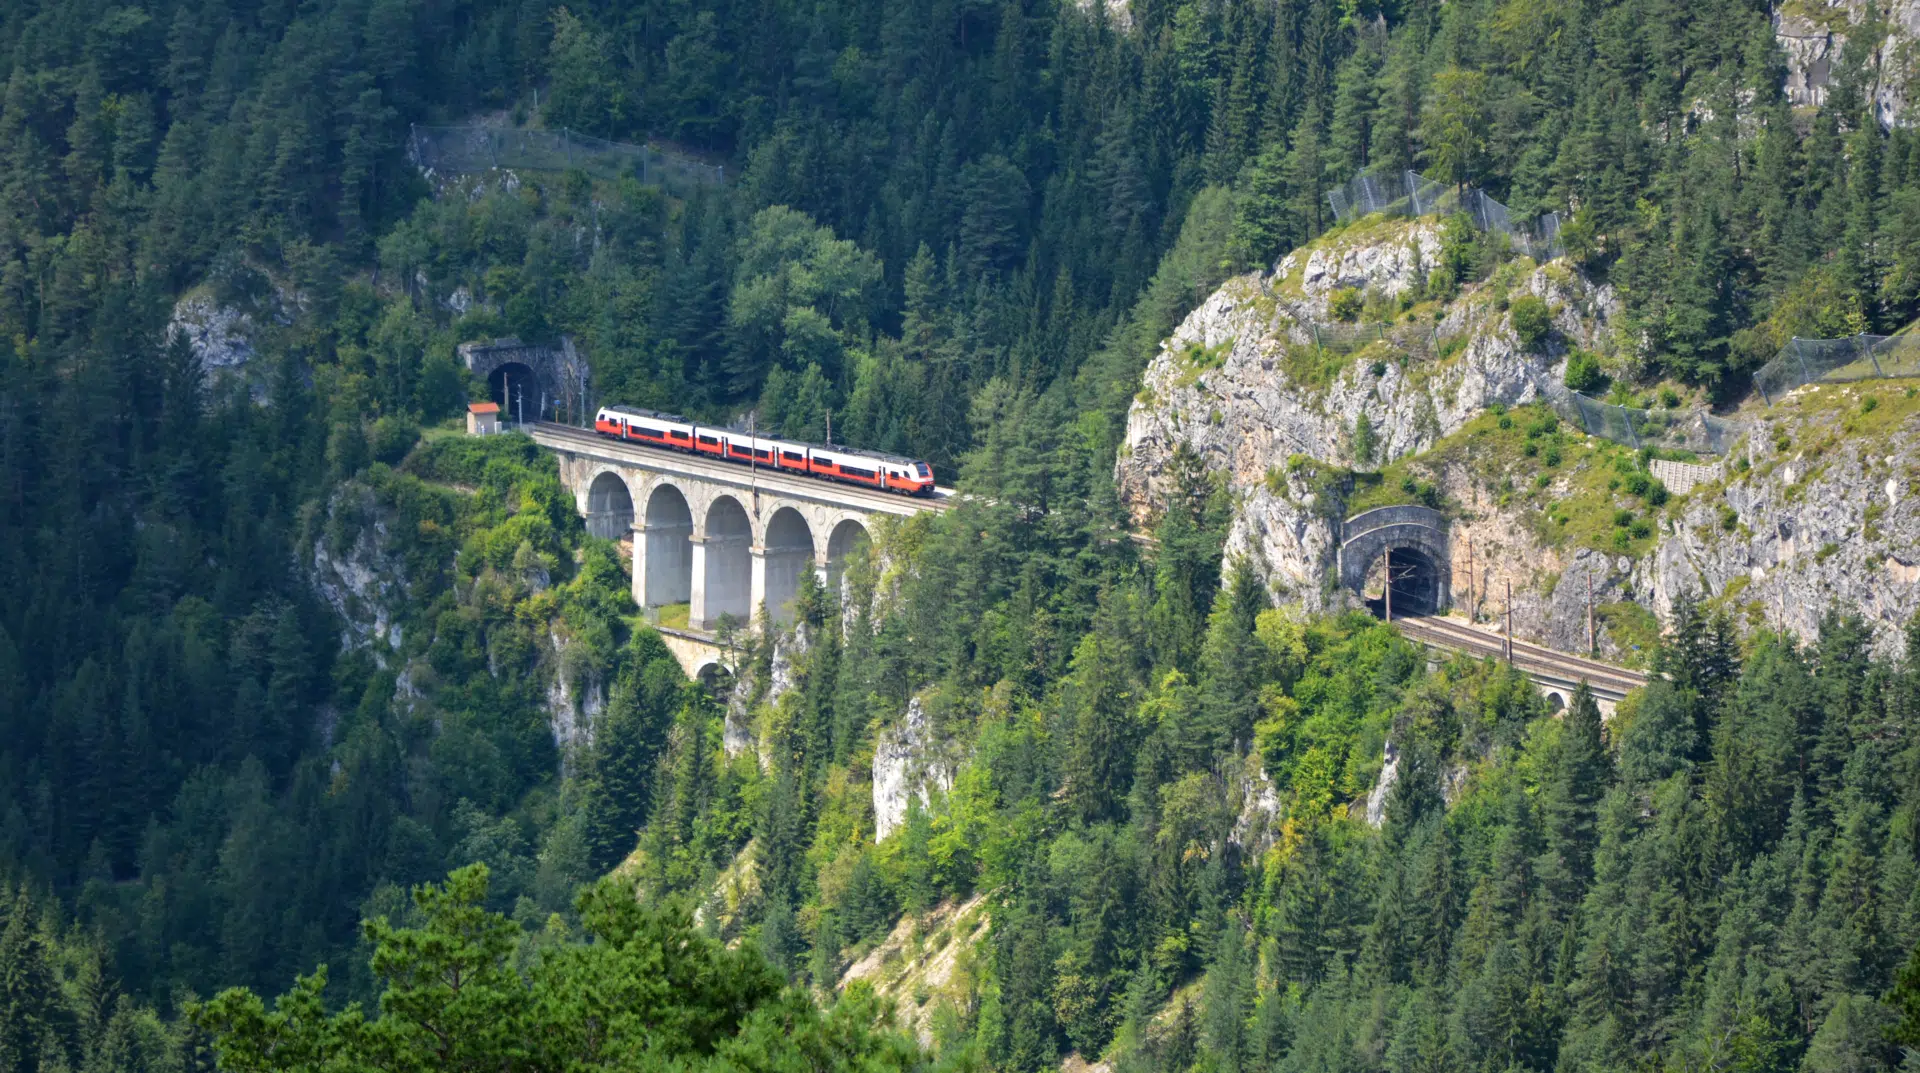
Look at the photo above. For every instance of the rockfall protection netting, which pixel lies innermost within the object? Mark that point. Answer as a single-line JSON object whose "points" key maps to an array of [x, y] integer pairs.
{"points": [[468, 149], [1688, 430], [1861, 357], [1414, 338], [1409, 193]]}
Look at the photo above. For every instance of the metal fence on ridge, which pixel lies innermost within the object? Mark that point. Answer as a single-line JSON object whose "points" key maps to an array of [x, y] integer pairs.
{"points": [[477, 148], [1687, 430], [1409, 193], [1859, 357]]}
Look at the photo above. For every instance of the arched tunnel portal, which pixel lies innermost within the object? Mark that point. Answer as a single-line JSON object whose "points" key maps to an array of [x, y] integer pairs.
{"points": [[515, 387], [1404, 547]]}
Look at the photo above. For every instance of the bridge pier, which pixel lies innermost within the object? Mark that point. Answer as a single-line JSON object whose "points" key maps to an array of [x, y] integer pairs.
{"points": [[757, 587], [662, 563], [723, 579]]}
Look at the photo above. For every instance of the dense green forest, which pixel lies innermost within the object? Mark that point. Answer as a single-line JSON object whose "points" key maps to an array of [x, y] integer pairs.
{"points": [[960, 228]]}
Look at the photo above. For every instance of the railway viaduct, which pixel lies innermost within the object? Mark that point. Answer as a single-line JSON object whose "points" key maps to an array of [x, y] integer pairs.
{"points": [[724, 539]]}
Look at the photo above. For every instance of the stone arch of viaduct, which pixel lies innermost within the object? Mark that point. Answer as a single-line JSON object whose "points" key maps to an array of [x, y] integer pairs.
{"points": [[720, 549]]}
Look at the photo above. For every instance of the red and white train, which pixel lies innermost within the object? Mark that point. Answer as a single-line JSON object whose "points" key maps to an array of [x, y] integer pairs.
{"points": [[891, 473]]}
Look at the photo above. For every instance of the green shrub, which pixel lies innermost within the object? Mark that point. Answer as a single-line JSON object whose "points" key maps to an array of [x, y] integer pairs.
{"points": [[1532, 321], [1869, 404], [1657, 493], [1729, 518], [1364, 439], [392, 437], [1623, 517], [1638, 483], [1584, 373], [1641, 529], [1552, 457], [1669, 398], [1345, 304]]}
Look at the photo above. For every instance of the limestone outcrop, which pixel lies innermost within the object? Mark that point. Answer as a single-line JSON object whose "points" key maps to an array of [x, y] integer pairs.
{"points": [[1262, 381], [1815, 509], [353, 571], [909, 761], [356, 566], [1813, 33], [1823, 515]]}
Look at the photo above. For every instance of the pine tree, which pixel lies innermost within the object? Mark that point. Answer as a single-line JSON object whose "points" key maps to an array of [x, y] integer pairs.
{"points": [[1582, 772]]}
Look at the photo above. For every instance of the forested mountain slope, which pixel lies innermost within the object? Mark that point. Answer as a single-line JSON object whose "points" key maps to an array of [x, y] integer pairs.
{"points": [[963, 229]]}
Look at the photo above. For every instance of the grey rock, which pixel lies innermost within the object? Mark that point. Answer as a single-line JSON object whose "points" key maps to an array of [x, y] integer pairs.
{"points": [[909, 761], [1812, 34], [1249, 417]]}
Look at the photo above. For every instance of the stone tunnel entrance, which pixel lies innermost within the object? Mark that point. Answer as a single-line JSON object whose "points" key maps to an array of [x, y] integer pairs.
{"points": [[1405, 547], [517, 390], [1412, 579], [534, 382]]}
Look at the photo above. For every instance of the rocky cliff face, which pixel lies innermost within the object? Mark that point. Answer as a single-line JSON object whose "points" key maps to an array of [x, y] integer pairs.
{"points": [[908, 762], [1812, 34], [1816, 509], [1262, 378], [353, 572], [226, 332], [1823, 515], [356, 567]]}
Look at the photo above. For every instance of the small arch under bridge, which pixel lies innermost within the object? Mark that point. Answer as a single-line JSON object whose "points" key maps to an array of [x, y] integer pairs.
{"points": [[724, 539]]}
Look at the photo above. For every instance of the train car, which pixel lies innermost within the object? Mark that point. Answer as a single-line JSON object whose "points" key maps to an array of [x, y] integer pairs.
{"points": [[645, 426], [892, 473]]}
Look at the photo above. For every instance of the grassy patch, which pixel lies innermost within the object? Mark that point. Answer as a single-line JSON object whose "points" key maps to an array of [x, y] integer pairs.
{"points": [[1197, 360], [1578, 491], [1844, 408], [1313, 366], [1633, 628], [674, 616]]}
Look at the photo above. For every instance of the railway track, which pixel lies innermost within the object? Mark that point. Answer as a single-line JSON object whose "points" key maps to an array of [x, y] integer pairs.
{"points": [[1545, 665]]}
